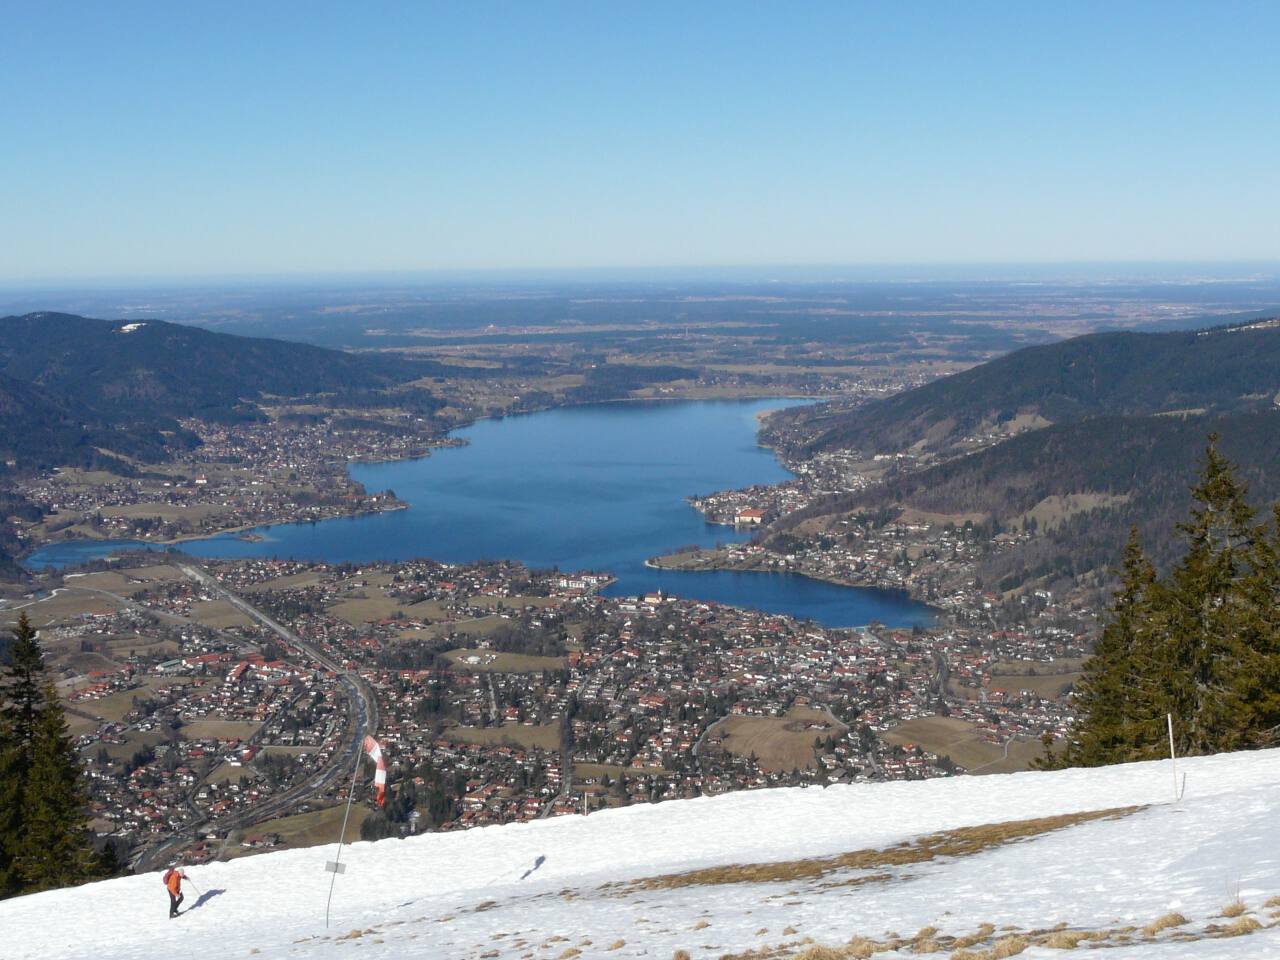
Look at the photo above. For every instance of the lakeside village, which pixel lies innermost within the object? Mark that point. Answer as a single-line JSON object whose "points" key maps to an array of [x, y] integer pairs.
{"points": [[240, 476], [503, 695]]}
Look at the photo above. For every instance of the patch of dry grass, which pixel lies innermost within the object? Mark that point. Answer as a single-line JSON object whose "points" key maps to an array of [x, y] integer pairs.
{"points": [[963, 842], [1235, 908], [1009, 947], [984, 931], [1066, 939], [1164, 923], [1241, 926]]}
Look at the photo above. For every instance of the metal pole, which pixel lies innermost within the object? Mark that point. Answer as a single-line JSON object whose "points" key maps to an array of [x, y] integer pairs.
{"points": [[334, 867], [1173, 757]]}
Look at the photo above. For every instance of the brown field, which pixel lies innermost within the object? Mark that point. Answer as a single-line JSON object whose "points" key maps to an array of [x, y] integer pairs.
{"points": [[308, 579], [1049, 686], [157, 573], [226, 773], [1051, 512], [112, 707], [134, 742], [108, 580], [492, 662], [427, 610], [166, 511], [67, 605], [219, 614], [779, 743], [959, 740], [365, 610], [546, 736], [220, 729], [480, 627], [1049, 680], [314, 827]]}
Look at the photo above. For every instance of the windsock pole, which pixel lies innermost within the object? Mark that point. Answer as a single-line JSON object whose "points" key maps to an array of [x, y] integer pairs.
{"points": [[335, 865]]}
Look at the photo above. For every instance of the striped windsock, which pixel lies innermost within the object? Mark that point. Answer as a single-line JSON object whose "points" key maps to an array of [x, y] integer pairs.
{"points": [[380, 777]]}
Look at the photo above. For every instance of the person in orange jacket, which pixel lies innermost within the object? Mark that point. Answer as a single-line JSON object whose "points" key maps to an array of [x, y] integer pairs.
{"points": [[173, 883]]}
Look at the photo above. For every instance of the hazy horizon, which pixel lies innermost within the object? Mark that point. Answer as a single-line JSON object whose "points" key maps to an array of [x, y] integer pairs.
{"points": [[154, 141]]}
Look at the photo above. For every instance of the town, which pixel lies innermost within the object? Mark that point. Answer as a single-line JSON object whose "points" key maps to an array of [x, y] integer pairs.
{"points": [[502, 694]]}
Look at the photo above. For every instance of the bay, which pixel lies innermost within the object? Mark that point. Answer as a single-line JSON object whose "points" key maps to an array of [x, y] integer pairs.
{"points": [[598, 487]]}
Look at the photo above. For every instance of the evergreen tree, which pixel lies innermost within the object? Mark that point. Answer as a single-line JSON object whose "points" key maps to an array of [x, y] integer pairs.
{"points": [[1203, 612], [43, 808], [1257, 688], [1202, 645], [11, 776], [21, 690], [55, 849], [1116, 696]]}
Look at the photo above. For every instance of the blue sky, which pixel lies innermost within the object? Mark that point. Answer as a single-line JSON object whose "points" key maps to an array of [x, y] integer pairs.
{"points": [[152, 140]]}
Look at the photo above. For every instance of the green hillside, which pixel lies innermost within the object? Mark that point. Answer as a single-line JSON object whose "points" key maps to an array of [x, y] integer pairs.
{"points": [[1220, 370]]}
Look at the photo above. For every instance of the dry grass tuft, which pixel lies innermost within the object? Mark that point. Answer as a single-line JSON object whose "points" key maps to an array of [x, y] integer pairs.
{"points": [[859, 948], [1164, 923], [570, 953], [962, 842], [927, 945], [822, 953], [1008, 947], [984, 931], [1241, 926], [617, 945], [701, 925], [1273, 903], [1066, 939], [1235, 908], [967, 955], [681, 955], [789, 932]]}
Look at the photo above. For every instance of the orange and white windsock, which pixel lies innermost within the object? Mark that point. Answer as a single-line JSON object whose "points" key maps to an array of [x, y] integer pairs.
{"points": [[380, 777]]}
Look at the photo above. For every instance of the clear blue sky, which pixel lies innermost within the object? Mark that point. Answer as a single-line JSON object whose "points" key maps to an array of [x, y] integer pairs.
{"points": [[178, 139]]}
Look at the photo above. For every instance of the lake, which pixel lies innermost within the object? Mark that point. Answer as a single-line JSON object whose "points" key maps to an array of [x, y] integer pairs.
{"points": [[599, 487]]}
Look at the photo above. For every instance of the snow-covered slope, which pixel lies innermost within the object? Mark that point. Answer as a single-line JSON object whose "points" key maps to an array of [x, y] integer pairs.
{"points": [[547, 889]]}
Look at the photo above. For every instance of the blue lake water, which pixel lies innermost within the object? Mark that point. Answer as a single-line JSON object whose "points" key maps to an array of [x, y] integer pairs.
{"points": [[581, 488]]}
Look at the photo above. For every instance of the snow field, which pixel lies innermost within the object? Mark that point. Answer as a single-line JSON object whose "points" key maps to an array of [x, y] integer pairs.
{"points": [[461, 894]]}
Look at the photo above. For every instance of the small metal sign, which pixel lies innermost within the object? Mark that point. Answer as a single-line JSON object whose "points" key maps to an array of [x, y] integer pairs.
{"points": [[333, 866]]}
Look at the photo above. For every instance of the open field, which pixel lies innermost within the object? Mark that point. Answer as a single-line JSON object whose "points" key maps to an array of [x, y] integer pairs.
{"points": [[112, 707], [166, 511], [493, 662], [307, 579], [226, 773], [1048, 680], [960, 740], [135, 741], [61, 607], [546, 736], [779, 743], [427, 610], [220, 729], [314, 827], [219, 614], [360, 611]]}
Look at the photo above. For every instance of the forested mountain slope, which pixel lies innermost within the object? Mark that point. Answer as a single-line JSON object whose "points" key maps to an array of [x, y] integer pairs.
{"points": [[1219, 370], [72, 386]]}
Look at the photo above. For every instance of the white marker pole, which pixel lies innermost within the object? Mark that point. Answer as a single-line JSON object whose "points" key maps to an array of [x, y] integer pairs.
{"points": [[336, 866], [1173, 757]]}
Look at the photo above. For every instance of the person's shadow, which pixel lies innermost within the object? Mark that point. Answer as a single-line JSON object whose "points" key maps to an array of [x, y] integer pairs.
{"points": [[204, 898]]}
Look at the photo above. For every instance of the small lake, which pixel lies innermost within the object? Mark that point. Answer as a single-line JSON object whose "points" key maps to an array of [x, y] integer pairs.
{"points": [[599, 487]]}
